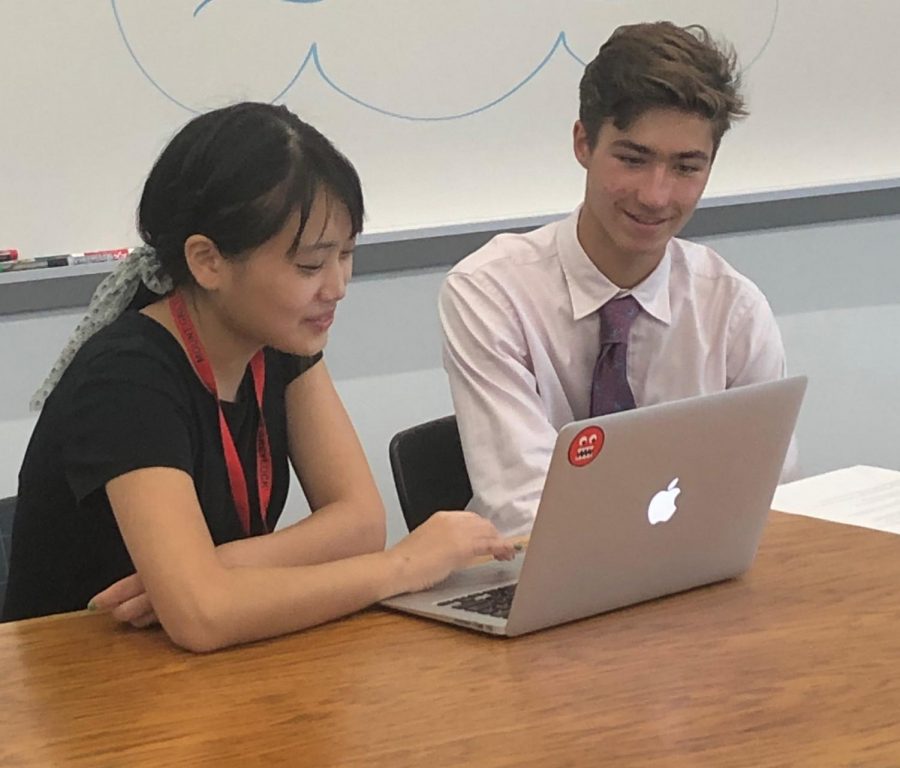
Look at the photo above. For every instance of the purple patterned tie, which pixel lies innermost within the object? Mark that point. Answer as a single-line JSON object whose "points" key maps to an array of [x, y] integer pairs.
{"points": [[610, 391]]}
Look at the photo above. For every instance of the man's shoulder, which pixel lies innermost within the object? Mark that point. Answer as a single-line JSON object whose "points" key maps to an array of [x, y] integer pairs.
{"points": [[703, 265], [510, 251]]}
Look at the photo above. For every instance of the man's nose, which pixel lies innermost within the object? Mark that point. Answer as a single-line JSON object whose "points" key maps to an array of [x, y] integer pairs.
{"points": [[655, 189]]}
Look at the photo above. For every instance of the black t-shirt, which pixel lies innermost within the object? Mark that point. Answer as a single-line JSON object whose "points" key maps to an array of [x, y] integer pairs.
{"points": [[130, 399]]}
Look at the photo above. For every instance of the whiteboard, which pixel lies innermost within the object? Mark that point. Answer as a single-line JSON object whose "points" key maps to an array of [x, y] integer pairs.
{"points": [[457, 114]]}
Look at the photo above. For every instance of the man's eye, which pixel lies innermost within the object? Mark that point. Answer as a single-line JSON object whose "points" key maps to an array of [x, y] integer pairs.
{"points": [[634, 161], [309, 269]]}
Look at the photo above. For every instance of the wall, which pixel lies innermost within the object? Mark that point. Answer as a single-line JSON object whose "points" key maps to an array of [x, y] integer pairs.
{"points": [[413, 91]]}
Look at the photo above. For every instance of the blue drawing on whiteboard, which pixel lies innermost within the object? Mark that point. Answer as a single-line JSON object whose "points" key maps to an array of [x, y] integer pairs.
{"points": [[312, 55], [207, 2]]}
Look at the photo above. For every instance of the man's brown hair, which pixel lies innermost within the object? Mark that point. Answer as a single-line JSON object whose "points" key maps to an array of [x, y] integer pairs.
{"points": [[661, 66]]}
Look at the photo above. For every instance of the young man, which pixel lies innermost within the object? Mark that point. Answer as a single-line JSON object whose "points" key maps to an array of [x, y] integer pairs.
{"points": [[607, 310]]}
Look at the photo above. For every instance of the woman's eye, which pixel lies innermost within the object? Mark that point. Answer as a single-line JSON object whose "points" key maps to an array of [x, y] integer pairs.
{"points": [[309, 269]]}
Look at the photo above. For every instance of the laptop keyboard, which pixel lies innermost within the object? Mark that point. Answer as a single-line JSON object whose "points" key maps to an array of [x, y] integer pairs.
{"points": [[491, 602]]}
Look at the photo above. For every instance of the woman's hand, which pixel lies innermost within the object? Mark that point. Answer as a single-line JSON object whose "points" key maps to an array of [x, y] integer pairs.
{"points": [[127, 601], [444, 543]]}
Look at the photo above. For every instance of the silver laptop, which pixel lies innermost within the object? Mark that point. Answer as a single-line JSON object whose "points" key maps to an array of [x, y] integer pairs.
{"points": [[636, 505]]}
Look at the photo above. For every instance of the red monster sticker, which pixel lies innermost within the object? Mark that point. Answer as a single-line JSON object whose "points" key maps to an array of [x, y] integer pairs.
{"points": [[585, 447]]}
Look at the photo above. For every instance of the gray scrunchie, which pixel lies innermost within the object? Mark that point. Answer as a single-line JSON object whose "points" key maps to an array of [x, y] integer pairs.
{"points": [[110, 300]]}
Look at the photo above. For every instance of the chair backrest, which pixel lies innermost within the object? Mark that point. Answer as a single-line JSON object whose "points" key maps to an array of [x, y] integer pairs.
{"points": [[7, 510], [429, 470]]}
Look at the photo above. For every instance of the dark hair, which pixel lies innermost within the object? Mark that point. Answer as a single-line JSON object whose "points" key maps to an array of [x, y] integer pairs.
{"points": [[661, 65], [235, 175]]}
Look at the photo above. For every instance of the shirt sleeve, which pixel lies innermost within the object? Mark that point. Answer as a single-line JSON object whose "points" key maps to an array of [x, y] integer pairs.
{"points": [[755, 355], [127, 412], [506, 435]]}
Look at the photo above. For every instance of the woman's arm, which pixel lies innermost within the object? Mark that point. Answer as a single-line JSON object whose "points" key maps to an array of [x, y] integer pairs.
{"points": [[204, 604], [335, 476], [330, 462]]}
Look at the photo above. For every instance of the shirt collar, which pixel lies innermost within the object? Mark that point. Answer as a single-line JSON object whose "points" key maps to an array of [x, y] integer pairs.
{"points": [[589, 289]]}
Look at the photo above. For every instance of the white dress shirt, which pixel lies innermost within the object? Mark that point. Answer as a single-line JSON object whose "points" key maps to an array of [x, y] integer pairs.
{"points": [[521, 337]]}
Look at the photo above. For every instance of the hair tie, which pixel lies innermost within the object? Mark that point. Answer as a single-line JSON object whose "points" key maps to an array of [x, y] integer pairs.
{"points": [[109, 301]]}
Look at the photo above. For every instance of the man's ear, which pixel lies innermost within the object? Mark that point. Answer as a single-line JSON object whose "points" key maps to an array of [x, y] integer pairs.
{"points": [[581, 144], [204, 261]]}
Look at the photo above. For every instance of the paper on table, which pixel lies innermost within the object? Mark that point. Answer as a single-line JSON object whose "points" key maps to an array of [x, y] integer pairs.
{"points": [[865, 496]]}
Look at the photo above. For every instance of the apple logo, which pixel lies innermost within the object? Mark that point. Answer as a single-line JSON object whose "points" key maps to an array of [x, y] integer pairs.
{"points": [[662, 505]]}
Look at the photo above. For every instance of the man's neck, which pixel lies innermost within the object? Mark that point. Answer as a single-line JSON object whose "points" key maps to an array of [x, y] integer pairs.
{"points": [[625, 270]]}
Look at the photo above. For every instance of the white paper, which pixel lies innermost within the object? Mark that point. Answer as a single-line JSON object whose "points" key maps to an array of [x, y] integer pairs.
{"points": [[865, 496]]}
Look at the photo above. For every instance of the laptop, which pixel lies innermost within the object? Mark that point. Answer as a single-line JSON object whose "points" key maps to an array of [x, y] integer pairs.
{"points": [[636, 505]]}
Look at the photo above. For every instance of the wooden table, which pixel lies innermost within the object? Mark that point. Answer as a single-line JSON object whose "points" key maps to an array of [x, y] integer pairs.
{"points": [[794, 665]]}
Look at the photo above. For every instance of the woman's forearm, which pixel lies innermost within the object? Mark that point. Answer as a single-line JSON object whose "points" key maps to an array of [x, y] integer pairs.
{"points": [[334, 532], [247, 603]]}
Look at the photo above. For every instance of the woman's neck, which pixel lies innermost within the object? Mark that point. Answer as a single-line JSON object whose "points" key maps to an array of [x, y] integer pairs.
{"points": [[228, 353]]}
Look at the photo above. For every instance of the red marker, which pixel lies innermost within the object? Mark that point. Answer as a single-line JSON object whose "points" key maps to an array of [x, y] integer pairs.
{"points": [[9, 254], [91, 257]]}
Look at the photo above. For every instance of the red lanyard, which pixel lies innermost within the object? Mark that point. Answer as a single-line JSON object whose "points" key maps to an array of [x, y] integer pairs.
{"points": [[236, 478]]}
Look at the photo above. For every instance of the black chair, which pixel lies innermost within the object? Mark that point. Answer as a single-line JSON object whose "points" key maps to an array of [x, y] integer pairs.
{"points": [[429, 470], [7, 510]]}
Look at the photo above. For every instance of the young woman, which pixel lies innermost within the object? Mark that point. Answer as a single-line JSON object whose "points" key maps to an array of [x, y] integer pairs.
{"points": [[164, 442]]}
